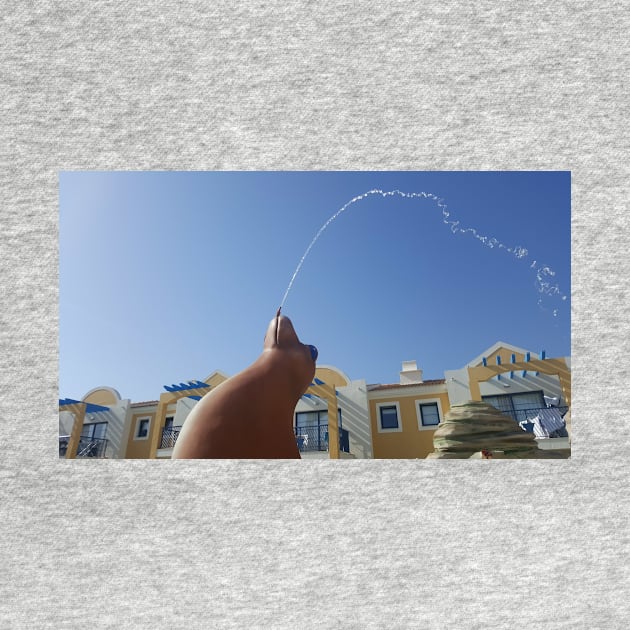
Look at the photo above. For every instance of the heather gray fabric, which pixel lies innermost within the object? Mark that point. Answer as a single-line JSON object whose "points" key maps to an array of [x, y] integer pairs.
{"points": [[351, 544]]}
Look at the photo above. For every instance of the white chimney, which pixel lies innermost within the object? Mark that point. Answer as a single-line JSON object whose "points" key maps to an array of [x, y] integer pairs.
{"points": [[410, 373]]}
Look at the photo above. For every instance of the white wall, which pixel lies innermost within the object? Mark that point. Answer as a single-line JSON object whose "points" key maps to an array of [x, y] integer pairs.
{"points": [[116, 424], [66, 422], [355, 418], [182, 408], [457, 386]]}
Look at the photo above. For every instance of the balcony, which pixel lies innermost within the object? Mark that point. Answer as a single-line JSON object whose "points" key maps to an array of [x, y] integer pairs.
{"points": [[88, 447], [523, 417], [315, 438], [307, 438], [169, 437]]}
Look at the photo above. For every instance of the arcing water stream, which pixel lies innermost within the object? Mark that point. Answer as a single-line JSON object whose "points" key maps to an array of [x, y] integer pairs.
{"points": [[543, 273]]}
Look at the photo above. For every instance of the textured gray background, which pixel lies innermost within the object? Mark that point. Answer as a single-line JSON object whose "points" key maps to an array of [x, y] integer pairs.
{"points": [[391, 544]]}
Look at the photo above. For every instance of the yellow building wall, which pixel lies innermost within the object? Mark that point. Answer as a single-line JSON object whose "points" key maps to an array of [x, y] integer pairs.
{"points": [[411, 442], [159, 422], [141, 448]]}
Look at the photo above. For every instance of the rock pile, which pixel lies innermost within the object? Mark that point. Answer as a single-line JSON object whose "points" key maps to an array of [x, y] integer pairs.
{"points": [[475, 427]]}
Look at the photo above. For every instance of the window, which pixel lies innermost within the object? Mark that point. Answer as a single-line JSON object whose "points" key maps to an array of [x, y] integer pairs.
{"points": [[311, 418], [94, 430], [311, 430], [142, 430], [388, 417], [168, 423], [429, 414], [92, 442], [517, 406]]}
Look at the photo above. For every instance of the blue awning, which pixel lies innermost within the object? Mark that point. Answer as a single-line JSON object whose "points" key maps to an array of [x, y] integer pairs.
{"points": [[182, 387], [68, 401], [89, 407]]}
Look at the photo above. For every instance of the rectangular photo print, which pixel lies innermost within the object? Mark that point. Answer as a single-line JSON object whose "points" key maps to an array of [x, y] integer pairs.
{"points": [[315, 315]]}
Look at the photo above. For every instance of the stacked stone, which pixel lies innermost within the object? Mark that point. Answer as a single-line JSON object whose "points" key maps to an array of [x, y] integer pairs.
{"points": [[474, 427]]}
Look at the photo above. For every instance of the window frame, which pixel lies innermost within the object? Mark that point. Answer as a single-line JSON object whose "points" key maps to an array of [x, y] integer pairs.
{"points": [[428, 401], [319, 413], [318, 431], [139, 422], [94, 425], [379, 406], [512, 412]]}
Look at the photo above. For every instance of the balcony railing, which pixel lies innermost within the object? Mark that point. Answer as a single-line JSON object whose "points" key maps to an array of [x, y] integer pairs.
{"points": [[169, 437], [315, 438], [307, 438], [88, 447], [524, 417]]}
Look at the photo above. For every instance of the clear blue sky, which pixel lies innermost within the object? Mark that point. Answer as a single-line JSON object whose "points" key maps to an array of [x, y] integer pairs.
{"points": [[165, 277]]}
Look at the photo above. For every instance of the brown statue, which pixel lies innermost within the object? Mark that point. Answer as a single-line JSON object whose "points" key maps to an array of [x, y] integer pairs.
{"points": [[250, 416]]}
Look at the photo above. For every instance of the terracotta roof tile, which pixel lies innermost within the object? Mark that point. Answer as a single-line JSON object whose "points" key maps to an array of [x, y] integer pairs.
{"points": [[378, 386], [144, 404]]}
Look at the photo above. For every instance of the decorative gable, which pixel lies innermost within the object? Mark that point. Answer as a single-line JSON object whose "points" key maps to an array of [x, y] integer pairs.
{"points": [[502, 349]]}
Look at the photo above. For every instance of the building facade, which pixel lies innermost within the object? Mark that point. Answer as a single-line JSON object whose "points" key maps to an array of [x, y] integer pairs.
{"points": [[340, 418]]}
